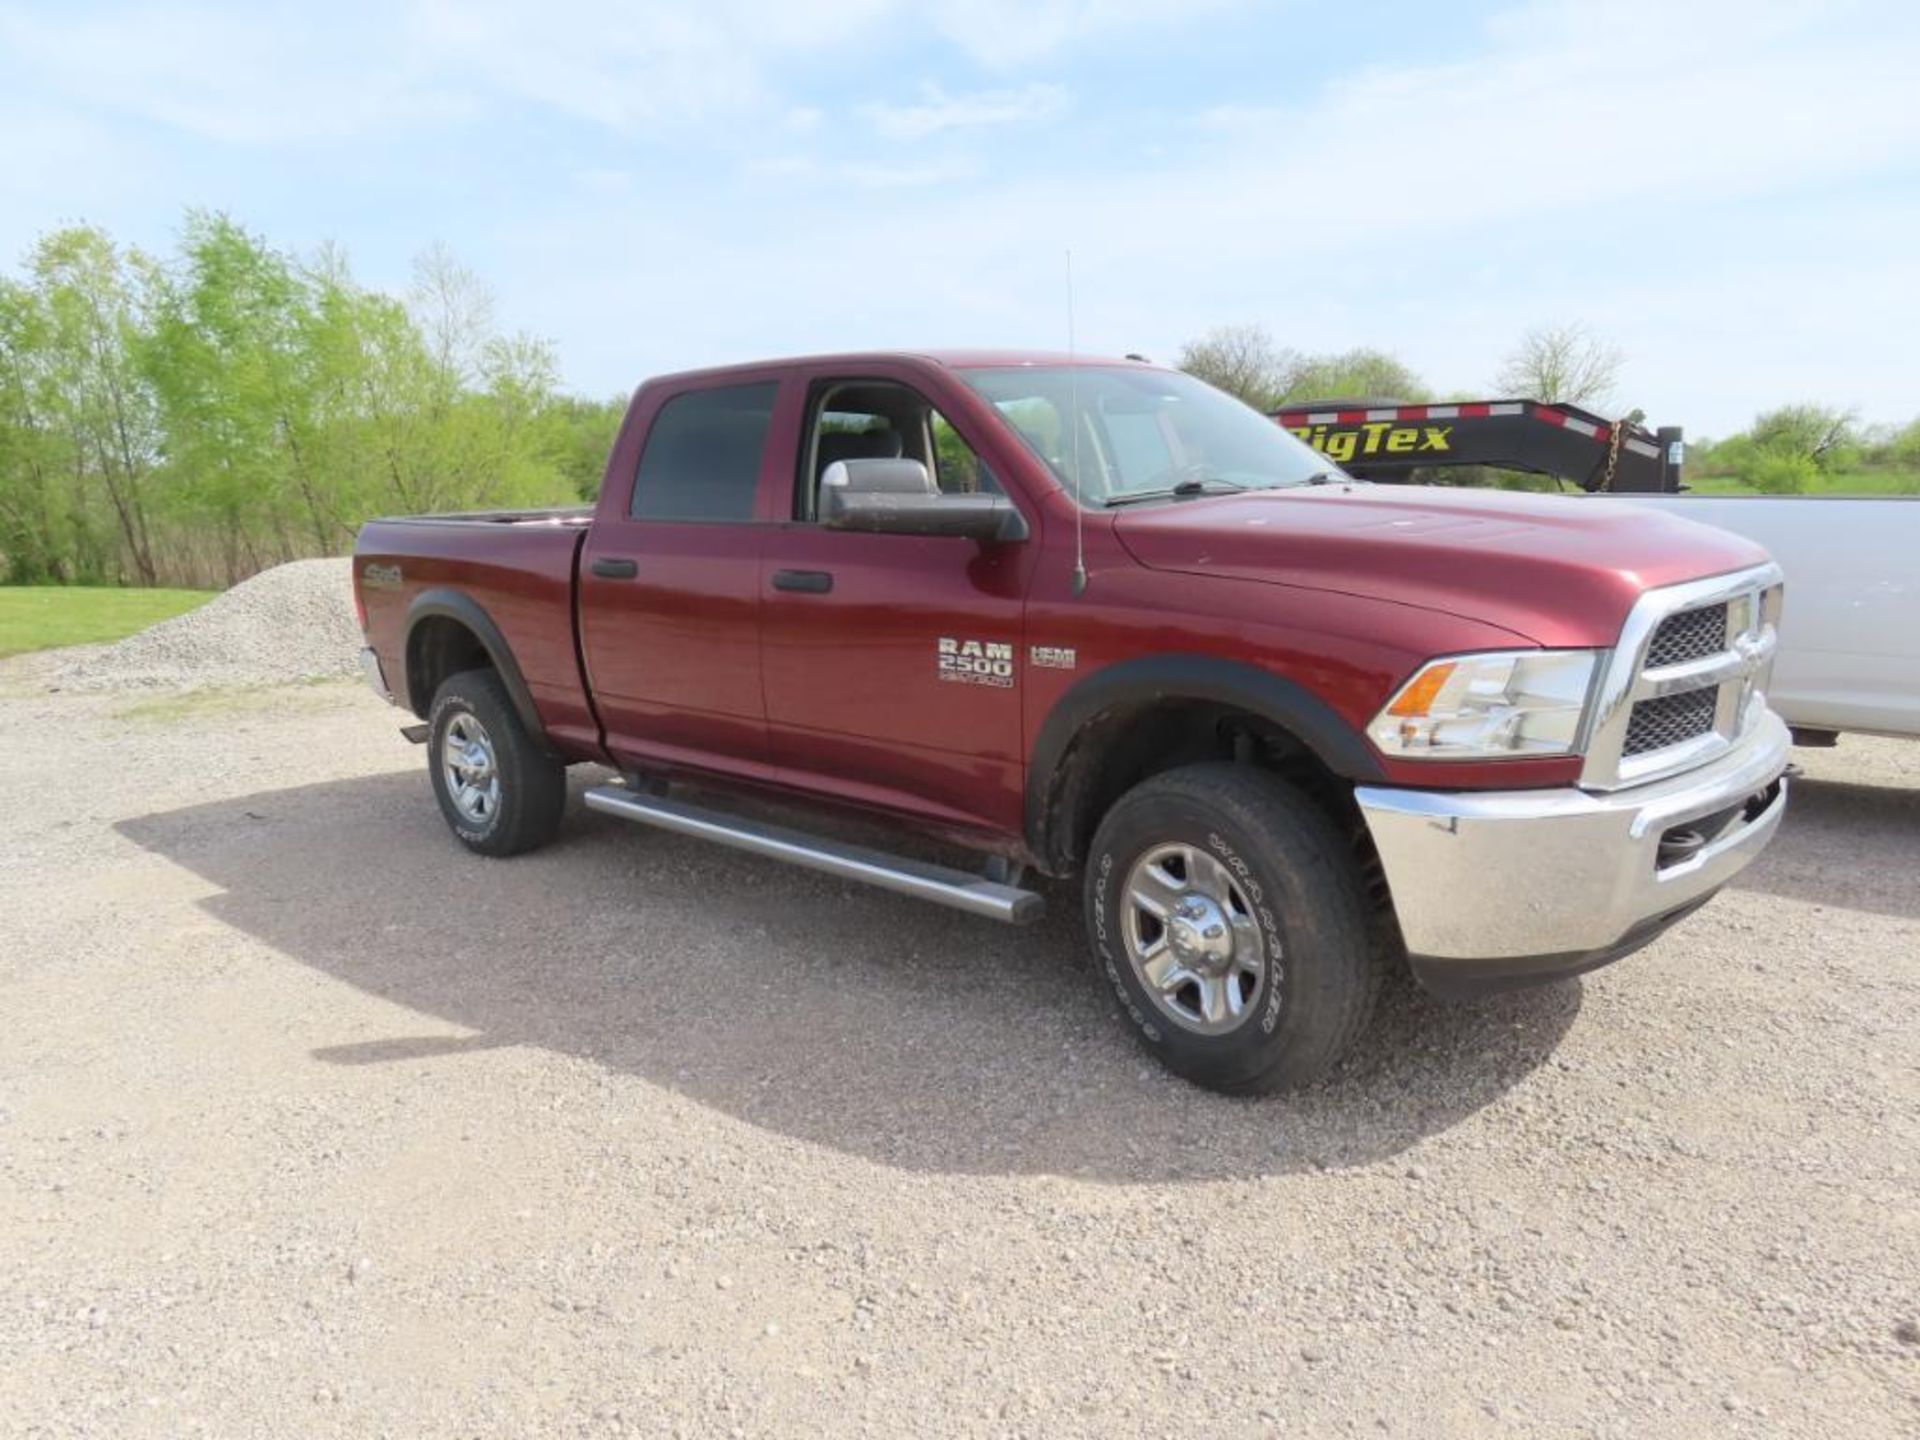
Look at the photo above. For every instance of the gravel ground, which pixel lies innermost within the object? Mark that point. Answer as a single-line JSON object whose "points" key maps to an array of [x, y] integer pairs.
{"points": [[293, 622], [311, 1124]]}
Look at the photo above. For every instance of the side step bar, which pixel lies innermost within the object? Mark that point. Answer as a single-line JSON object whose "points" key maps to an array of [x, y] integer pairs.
{"points": [[974, 894]]}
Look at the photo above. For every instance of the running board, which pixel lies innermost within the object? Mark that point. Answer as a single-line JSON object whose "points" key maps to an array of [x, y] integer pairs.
{"points": [[975, 894]]}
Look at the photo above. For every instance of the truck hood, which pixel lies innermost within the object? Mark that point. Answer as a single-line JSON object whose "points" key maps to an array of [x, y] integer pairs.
{"points": [[1557, 570]]}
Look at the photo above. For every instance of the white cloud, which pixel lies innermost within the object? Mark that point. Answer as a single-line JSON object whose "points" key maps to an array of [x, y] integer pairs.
{"points": [[1547, 123], [279, 72], [283, 73], [247, 77], [1554, 168], [1004, 34], [906, 177], [604, 179], [1433, 209], [937, 111]]}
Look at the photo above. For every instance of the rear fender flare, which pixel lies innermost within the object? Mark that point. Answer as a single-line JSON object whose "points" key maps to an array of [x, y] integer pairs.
{"points": [[1157, 679], [457, 606]]}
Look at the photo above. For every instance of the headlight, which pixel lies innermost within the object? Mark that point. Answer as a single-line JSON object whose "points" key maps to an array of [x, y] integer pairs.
{"points": [[1493, 706]]}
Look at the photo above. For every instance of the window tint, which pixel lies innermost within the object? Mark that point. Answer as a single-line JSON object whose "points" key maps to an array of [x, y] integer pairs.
{"points": [[702, 456]]}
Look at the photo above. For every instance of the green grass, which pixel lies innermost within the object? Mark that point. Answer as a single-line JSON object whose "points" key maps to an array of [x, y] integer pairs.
{"points": [[39, 617], [1846, 482]]}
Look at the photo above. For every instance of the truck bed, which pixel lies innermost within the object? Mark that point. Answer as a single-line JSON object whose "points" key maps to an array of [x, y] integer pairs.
{"points": [[516, 566]]}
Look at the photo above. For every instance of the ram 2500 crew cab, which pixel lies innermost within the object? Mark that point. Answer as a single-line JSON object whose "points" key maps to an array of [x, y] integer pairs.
{"points": [[1093, 618]]}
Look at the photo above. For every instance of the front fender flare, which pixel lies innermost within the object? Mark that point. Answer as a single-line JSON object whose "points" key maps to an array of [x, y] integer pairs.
{"points": [[1153, 679]]}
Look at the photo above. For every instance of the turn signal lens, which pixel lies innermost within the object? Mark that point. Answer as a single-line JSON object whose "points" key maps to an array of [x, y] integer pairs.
{"points": [[1418, 697]]}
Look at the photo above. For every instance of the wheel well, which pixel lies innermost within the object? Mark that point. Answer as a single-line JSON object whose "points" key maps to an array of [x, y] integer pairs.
{"points": [[1118, 749], [439, 646]]}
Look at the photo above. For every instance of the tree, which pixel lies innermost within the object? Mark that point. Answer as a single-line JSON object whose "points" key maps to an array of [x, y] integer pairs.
{"points": [[1824, 436], [1903, 447], [237, 406], [1361, 374], [227, 359], [454, 310], [1561, 363], [97, 301], [34, 461], [1242, 360]]}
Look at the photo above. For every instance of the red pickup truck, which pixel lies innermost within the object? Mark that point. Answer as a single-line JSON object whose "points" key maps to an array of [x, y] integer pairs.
{"points": [[1094, 618]]}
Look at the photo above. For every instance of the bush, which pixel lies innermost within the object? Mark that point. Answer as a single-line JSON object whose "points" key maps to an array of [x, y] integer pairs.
{"points": [[1726, 457], [1779, 471], [1823, 435], [1904, 448]]}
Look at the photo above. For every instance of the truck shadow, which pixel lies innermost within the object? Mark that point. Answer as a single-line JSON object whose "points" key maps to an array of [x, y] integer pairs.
{"points": [[1846, 846], [826, 1012]]}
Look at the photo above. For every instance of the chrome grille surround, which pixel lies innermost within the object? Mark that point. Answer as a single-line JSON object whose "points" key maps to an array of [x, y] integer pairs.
{"points": [[1663, 655]]}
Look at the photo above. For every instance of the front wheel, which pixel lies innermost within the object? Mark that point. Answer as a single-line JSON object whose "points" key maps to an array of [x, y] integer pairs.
{"points": [[499, 791], [1228, 914]]}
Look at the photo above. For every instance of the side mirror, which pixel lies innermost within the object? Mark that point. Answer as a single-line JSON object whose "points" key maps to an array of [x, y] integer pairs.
{"points": [[898, 497]]}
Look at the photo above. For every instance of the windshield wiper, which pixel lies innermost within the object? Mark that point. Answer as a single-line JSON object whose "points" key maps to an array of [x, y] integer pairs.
{"points": [[1181, 491]]}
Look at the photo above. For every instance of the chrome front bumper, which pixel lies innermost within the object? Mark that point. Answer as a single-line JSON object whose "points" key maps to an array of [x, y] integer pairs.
{"points": [[1499, 888], [376, 676]]}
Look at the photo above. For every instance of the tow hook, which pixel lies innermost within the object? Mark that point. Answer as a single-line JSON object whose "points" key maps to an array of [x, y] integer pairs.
{"points": [[1678, 845]]}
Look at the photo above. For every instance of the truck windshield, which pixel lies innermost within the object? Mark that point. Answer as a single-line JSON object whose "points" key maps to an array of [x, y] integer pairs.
{"points": [[1144, 433]]}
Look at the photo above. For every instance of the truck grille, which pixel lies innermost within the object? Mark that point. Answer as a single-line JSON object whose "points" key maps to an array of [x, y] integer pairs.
{"points": [[1690, 635], [1670, 720], [1685, 680]]}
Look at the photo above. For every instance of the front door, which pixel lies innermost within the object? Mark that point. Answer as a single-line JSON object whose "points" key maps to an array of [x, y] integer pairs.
{"points": [[892, 662]]}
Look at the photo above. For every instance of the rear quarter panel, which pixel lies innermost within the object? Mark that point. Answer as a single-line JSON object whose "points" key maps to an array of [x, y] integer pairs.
{"points": [[521, 575]]}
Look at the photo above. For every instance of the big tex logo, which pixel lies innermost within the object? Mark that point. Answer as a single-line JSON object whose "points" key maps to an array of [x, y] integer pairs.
{"points": [[1378, 437]]}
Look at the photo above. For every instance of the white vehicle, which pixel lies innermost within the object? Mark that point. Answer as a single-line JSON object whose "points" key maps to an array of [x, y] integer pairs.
{"points": [[1849, 656]]}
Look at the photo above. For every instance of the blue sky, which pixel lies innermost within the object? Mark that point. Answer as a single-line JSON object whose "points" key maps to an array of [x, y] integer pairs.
{"points": [[1728, 192]]}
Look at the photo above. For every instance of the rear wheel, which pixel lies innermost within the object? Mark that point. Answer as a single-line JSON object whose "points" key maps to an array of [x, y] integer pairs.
{"points": [[1228, 914], [499, 791]]}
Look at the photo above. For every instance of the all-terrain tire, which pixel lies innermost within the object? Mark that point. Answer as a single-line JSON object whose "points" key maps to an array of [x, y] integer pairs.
{"points": [[1294, 897], [518, 799]]}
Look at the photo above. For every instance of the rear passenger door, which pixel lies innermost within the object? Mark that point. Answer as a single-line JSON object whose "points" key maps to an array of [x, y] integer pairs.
{"points": [[669, 586]]}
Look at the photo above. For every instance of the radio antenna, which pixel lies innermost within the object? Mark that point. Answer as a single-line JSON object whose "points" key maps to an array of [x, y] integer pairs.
{"points": [[1073, 405]]}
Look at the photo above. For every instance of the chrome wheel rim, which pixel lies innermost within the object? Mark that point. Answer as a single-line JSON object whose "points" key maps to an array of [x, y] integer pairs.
{"points": [[467, 762], [1192, 939]]}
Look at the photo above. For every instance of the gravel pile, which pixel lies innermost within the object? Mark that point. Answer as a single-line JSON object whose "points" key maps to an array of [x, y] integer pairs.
{"points": [[293, 622]]}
